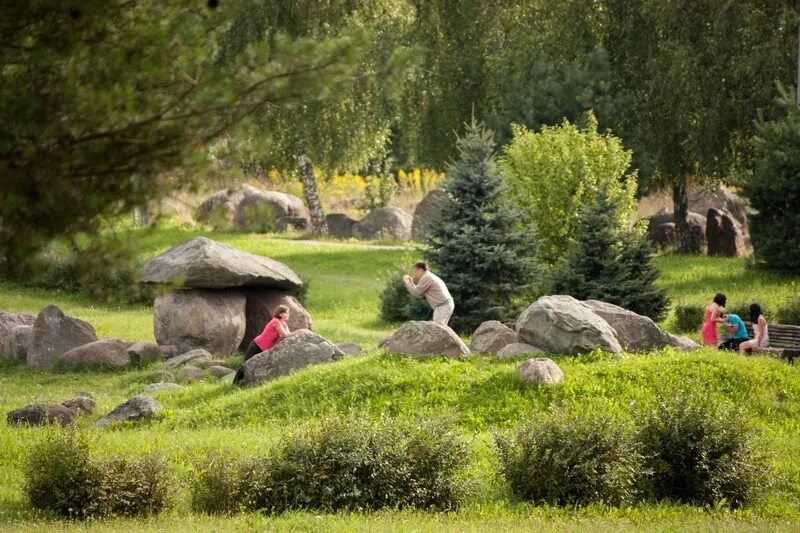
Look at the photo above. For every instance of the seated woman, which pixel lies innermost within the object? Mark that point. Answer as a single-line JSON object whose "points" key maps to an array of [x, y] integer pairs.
{"points": [[737, 330], [275, 330], [761, 339]]}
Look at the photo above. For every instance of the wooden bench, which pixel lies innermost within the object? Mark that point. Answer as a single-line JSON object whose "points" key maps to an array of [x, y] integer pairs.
{"points": [[784, 341]]}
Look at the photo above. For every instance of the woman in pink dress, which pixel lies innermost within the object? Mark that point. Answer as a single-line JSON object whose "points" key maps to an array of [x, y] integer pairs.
{"points": [[712, 319]]}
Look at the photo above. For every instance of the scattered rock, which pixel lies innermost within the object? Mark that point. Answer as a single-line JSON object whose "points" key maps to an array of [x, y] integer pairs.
{"points": [[491, 337], [192, 373], [162, 376], [385, 222], [426, 214], [168, 350], [661, 228], [685, 343], [540, 370], [212, 320], [41, 415], [54, 334], [421, 338], [724, 235], [350, 348], [104, 352], [162, 387], [663, 236], [292, 353], [206, 264], [227, 378], [260, 306], [81, 403], [635, 333], [516, 349], [192, 355], [260, 210], [137, 408], [340, 225], [219, 371], [701, 199], [17, 343], [284, 224], [219, 209], [9, 321], [562, 324], [144, 352]]}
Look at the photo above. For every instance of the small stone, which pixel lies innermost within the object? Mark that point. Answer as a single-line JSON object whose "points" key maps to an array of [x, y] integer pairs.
{"points": [[137, 408], [541, 370], [518, 348], [162, 376], [192, 373], [350, 348], [219, 371], [81, 403], [162, 387], [192, 355], [41, 415], [145, 352]]}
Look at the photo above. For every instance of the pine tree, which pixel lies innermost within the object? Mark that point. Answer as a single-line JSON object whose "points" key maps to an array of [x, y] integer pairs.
{"points": [[610, 262], [479, 249]]}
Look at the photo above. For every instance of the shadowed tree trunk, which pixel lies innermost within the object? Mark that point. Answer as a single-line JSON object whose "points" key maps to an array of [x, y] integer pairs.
{"points": [[687, 241], [310, 190]]}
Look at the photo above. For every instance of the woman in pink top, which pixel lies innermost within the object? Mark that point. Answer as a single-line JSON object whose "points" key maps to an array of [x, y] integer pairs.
{"points": [[275, 330], [712, 319]]}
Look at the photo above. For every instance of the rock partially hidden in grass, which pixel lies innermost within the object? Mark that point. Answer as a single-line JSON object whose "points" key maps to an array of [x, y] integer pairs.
{"points": [[137, 408], [161, 387], [420, 337], [219, 371], [162, 376], [540, 370], [350, 348], [192, 373], [518, 348], [83, 402], [192, 355], [292, 353], [145, 352], [41, 415], [491, 337]]}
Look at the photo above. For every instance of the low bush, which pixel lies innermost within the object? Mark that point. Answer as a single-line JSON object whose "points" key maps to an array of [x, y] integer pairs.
{"points": [[689, 317], [342, 465], [397, 305], [569, 458], [62, 477], [700, 452], [789, 313]]}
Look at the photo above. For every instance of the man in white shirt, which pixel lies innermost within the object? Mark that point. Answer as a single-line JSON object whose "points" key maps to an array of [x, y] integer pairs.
{"points": [[432, 288]]}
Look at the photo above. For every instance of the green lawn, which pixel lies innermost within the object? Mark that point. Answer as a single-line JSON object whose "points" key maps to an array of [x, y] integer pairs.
{"points": [[478, 396]]}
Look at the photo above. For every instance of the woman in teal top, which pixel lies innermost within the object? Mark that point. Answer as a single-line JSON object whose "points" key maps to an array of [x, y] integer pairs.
{"points": [[737, 330]]}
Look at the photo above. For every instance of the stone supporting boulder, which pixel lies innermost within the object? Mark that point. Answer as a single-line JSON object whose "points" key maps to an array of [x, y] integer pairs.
{"points": [[724, 235], [137, 408], [104, 352], [340, 225], [9, 321], [421, 338], [516, 349], [426, 214], [562, 324], [635, 333], [491, 337], [292, 353], [17, 342], [385, 222], [260, 306], [54, 334], [541, 370], [190, 356], [259, 211], [212, 320], [206, 264]]}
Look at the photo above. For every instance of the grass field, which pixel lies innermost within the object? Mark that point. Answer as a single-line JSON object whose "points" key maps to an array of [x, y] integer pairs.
{"points": [[478, 396]]}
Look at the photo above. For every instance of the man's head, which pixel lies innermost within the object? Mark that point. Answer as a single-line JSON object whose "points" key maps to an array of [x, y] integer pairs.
{"points": [[419, 269]]}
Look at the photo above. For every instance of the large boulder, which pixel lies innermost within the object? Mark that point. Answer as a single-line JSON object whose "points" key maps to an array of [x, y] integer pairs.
{"points": [[260, 306], [202, 263], [701, 199], [292, 353], [724, 235], [635, 333], [542, 370], [661, 228], [104, 352], [192, 356], [562, 324], [426, 214], [491, 337], [385, 222], [259, 211], [9, 321], [54, 334], [212, 320], [17, 342], [220, 208], [663, 235], [516, 349], [41, 415], [340, 225], [420, 338], [137, 408]]}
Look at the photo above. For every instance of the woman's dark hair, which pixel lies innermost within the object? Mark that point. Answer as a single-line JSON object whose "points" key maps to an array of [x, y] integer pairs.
{"points": [[720, 299], [280, 310], [755, 312]]}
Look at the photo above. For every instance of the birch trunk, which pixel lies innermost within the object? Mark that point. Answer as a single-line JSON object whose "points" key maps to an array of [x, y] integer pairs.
{"points": [[310, 191]]}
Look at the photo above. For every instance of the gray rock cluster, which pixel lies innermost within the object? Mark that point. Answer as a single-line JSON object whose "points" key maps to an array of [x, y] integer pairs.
{"points": [[43, 414], [247, 208]]}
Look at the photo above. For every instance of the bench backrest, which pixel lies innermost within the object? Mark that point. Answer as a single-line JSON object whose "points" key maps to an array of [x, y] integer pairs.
{"points": [[780, 335]]}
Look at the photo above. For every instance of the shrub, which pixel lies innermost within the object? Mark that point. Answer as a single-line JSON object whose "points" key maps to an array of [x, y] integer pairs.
{"points": [[789, 313], [216, 486], [60, 476], [397, 305], [133, 487], [700, 452], [689, 317], [344, 465], [569, 458]]}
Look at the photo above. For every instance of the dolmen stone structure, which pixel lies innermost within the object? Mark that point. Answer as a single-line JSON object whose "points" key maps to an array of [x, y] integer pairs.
{"points": [[221, 297]]}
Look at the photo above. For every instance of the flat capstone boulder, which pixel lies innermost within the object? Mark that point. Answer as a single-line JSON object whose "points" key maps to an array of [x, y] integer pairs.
{"points": [[290, 354], [541, 370], [54, 333], [139, 407], [423, 338], [491, 337]]}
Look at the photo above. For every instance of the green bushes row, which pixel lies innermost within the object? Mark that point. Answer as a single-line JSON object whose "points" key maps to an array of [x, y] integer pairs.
{"points": [[685, 448]]}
